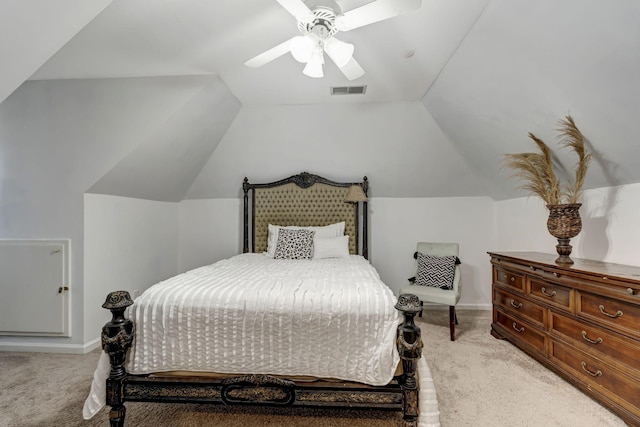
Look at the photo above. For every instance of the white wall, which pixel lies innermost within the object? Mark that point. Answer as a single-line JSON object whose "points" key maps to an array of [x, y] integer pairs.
{"points": [[609, 226], [130, 244], [57, 138], [398, 224], [211, 230]]}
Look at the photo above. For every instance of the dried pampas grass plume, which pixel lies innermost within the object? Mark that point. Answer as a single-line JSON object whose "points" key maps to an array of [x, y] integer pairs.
{"points": [[536, 172]]}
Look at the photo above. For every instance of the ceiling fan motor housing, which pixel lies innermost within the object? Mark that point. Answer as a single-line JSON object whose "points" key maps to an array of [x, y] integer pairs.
{"points": [[323, 23]]}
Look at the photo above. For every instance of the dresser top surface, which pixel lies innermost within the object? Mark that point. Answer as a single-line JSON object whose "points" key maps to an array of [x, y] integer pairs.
{"points": [[580, 265]]}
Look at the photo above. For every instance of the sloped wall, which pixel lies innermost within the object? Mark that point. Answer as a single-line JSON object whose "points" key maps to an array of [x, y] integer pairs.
{"points": [[165, 162], [526, 64], [57, 138], [41, 26], [397, 145]]}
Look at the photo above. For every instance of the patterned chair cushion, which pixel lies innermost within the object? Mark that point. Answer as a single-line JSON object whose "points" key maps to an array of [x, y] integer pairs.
{"points": [[435, 271], [294, 244]]}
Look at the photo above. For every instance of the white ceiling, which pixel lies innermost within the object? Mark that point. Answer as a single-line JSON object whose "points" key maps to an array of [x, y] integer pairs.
{"points": [[134, 38], [486, 71]]}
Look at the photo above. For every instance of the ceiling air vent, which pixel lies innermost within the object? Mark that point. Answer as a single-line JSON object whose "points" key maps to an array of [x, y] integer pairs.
{"points": [[348, 90]]}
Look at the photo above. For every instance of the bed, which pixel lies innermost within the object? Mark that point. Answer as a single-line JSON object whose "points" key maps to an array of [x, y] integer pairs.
{"points": [[276, 325]]}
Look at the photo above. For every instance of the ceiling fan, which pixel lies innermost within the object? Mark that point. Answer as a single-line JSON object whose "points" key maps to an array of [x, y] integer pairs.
{"points": [[318, 26]]}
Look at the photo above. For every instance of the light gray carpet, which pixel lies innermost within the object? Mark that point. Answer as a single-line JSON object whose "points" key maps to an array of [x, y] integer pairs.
{"points": [[480, 381]]}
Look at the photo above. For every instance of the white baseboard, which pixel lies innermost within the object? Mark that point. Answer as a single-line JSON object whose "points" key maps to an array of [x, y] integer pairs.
{"points": [[487, 307], [50, 348]]}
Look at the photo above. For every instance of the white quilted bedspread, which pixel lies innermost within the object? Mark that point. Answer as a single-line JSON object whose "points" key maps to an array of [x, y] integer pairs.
{"points": [[331, 318]]}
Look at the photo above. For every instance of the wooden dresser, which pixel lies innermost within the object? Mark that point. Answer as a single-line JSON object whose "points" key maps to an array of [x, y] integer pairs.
{"points": [[581, 320]]}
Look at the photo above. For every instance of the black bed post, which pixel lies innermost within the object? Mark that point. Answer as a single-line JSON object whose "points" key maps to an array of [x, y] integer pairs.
{"points": [[245, 231], [365, 225], [410, 350], [117, 336]]}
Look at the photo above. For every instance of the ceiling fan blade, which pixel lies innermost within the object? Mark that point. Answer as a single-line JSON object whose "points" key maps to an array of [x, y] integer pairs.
{"points": [[375, 11], [297, 8], [270, 55], [352, 70]]}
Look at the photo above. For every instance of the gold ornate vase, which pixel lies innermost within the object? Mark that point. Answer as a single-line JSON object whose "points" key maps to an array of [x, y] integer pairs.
{"points": [[564, 223]]}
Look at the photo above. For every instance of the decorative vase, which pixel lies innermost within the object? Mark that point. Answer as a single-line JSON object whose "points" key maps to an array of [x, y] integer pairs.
{"points": [[564, 223]]}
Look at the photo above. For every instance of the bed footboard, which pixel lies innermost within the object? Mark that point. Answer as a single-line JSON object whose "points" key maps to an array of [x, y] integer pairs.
{"points": [[400, 394]]}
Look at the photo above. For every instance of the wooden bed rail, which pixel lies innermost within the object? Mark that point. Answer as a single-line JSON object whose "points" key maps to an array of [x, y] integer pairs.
{"points": [[401, 394]]}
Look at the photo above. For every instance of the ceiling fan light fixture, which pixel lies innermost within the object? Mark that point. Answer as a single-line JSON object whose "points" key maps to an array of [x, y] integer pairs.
{"points": [[339, 51], [301, 48], [314, 65], [319, 23]]}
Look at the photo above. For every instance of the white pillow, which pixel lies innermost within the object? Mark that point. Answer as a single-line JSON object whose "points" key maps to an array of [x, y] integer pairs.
{"points": [[332, 230], [330, 247]]}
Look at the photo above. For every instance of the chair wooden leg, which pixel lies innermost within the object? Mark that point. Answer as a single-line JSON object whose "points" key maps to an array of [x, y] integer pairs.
{"points": [[452, 322]]}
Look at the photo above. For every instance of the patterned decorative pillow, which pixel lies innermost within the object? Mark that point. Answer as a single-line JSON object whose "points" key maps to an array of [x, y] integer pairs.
{"points": [[294, 244], [435, 271]]}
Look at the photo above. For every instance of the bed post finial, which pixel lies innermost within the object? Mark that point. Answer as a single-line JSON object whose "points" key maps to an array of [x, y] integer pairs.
{"points": [[410, 349], [117, 336]]}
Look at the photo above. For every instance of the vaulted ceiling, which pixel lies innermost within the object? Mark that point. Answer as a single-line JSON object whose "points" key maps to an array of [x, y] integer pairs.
{"points": [[450, 88]]}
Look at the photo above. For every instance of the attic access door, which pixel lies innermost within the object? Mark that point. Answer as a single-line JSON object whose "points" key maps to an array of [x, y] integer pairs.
{"points": [[34, 283]]}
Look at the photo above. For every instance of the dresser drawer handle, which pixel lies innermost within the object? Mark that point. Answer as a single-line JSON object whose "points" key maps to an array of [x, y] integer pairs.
{"points": [[515, 327], [544, 292], [586, 338], [618, 313], [514, 305], [598, 373], [513, 279]]}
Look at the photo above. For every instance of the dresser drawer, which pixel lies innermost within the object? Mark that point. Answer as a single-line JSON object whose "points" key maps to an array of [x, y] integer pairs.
{"points": [[617, 349], [530, 311], [522, 331], [619, 315], [551, 293], [600, 377], [508, 278]]}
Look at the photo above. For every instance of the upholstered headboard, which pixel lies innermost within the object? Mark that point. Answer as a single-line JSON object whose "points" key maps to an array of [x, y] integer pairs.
{"points": [[303, 200]]}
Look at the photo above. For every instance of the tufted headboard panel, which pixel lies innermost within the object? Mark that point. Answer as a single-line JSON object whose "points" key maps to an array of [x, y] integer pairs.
{"points": [[302, 200]]}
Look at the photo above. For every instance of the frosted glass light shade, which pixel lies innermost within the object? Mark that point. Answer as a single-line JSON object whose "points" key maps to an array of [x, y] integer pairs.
{"points": [[301, 48], [314, 65], [339, 51]]}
